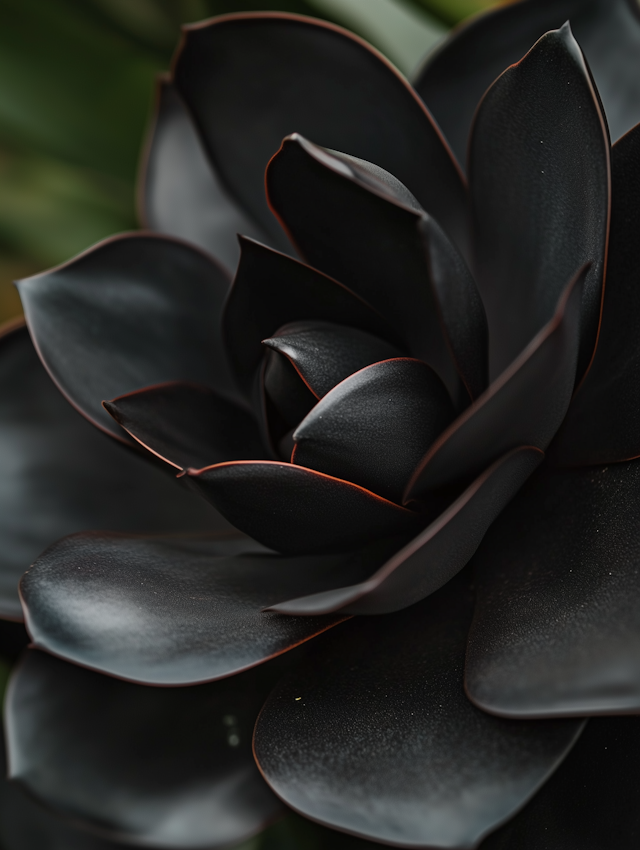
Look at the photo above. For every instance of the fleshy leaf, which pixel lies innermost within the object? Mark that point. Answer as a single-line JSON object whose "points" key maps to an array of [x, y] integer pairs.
{"points": [[171, 610], [432, 558], [601, 422], [324, 353], [556, 628], [359, 224], [374, 735], [58, 474], [293, 509], [455, 78], [180, 194], [276, 74], [375, 426], [540, 186], [590, 801], [133, 311], [187, 424], [170, 767], [524, 406], [269, 291]]}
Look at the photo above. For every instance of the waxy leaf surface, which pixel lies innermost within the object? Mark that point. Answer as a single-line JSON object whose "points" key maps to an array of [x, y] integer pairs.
{"points": [[435, 555], [375, 736], [601, 425], [455, 78], [251, 80], [293, 509], [556, 629], [171, 610], [375, 426], [59, 475], [135, 310], [359, 224], [160, 767], [540, 186], [187, 424], [179, 192]]}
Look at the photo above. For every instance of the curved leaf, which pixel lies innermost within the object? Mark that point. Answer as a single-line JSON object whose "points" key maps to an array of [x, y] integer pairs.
{"points": [[374, 735], [187, 424], [133, 311], [455, 78], [171, 610], [170, 768], [293, 509], [359, 224], [375, 426], [271, 290], [601, 422], [556, 629], [179, 193], [58, 474], [540, 190], [276, 74], [432, 558], [324, 353], [524, 406]]}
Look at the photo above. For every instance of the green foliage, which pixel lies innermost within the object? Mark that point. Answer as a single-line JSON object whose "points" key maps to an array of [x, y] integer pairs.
{"points": [[451, 12]]}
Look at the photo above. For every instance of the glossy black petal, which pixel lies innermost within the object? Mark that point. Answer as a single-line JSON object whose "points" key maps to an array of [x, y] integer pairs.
{"points": [[293, 509], [601, 425], [539, 181], [591, 801], [171, 610], [289, 394], [135, 310], [27, 825], [524, 406], [251, 80], [269, 291], [375, 426], [456, 76], [374, 734], [161, 767], [187, 424], [179, 192], [324, 353], [556, 630], [58, 474], [433, 557], [360, 225]]}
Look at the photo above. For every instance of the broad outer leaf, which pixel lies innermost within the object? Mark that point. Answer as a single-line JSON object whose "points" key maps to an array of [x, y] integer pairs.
{"points": [[432, 558], [601, 425], [271, 290], [324, 353], [524, 406], [171, 610], [179, 192], [556, 630], [375, 426], [187, 424], [456, 76], [293, 509], [591, 800], [359, 224], [375, 736], [540, 185], [135, 310], [160, 767], [250, 80], [58, 474]]}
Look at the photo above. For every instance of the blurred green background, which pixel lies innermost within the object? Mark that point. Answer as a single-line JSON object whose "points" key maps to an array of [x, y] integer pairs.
{"points": [[76, 87]]}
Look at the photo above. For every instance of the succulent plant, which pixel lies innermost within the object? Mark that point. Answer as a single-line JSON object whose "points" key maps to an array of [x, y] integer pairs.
{"points": [[413, 397]]}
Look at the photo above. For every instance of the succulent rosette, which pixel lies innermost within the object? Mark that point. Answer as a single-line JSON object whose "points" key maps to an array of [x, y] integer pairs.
{"points": [[407, 389]]}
